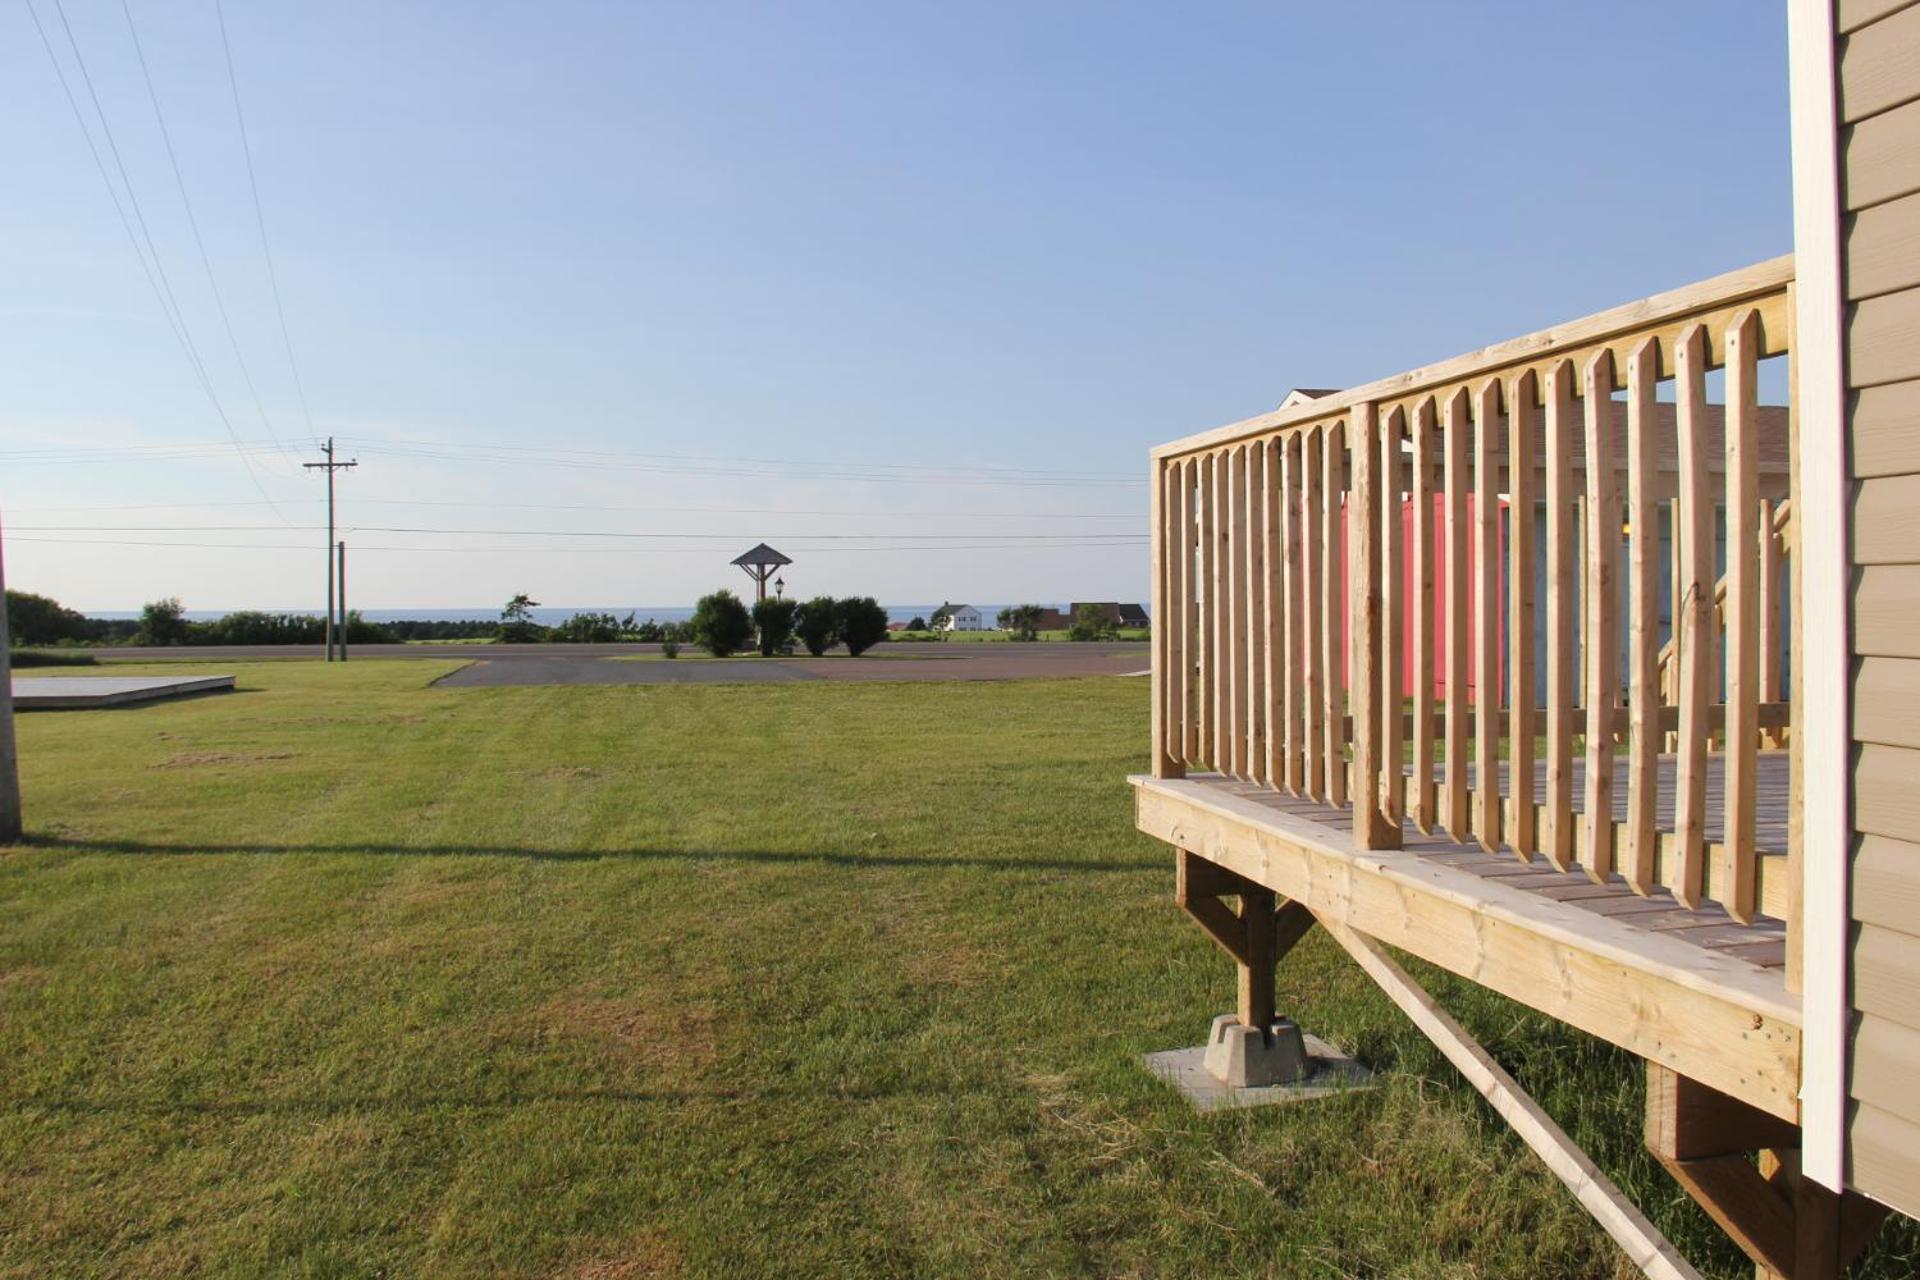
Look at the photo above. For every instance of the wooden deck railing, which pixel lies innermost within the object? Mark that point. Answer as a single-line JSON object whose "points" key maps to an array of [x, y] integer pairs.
{"points": [[1439, 598]]}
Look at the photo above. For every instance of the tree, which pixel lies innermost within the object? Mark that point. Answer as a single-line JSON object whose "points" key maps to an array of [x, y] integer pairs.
{"points": [[818, 625], [37, 619], [938, 622], [1090, 622], [863, 623], [1023, 620], [162, 622], [773, 619], [721, 624], [918, 624], [516, 620]]}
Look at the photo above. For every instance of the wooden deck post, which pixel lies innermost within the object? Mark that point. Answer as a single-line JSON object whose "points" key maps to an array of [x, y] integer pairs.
{"points": [[1792, 1228], [1373, 825], [1257, 936], [10, 818], [1167, 679]]}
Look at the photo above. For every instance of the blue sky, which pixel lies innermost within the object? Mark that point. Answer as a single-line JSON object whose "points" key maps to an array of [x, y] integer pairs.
{"points": [[954, 267]]}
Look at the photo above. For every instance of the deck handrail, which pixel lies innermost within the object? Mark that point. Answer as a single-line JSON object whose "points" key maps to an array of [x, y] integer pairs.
{"points": [[1259, 526]]}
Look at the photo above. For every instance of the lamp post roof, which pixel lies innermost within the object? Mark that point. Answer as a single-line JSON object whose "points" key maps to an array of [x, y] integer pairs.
{"points": [[762, 555]]}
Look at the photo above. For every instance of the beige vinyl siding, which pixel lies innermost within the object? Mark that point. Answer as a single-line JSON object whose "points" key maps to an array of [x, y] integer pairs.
{"points": [[1884, 1164], [1886, 882], [1854, 14], [1880, 65], [1886, 430], [1886, 611], [1886, 695], [1881, 157], [1879, 75]]}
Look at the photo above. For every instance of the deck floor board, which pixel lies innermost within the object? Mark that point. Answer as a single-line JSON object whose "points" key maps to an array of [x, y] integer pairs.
{"points": [[1762, 943]]}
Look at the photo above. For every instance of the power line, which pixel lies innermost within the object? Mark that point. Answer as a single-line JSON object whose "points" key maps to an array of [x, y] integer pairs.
{"points": [[1083, 538], [666, 464], [1065, 545], [163, 287], [260, 220], [193, 223], [595, 506], [893, 473]]}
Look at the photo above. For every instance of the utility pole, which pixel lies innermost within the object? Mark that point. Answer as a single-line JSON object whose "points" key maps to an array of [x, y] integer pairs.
{"points": [[10, 825], [330, 466], [343, 600]]}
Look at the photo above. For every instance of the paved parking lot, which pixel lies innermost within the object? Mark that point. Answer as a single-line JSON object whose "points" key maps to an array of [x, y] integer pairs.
{"points": [[542, 664]]}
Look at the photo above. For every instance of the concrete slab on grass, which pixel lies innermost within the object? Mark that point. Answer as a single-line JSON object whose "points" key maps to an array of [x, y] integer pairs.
{"points": [[72, 693], [1332, 1072]]}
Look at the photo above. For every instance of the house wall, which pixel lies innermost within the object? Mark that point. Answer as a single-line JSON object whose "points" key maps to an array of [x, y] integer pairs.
{"points": [[1877, 53]]}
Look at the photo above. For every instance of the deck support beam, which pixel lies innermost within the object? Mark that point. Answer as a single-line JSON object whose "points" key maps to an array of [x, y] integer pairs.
{"points": [[1743, 1167], [1263, 930]]}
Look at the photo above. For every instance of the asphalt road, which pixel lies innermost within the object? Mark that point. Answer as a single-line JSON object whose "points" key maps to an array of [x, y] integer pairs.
{"points": [[545, 664]]}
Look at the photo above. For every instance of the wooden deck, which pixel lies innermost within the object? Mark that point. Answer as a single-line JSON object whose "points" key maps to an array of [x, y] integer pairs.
{"points": [[1696, 991]]}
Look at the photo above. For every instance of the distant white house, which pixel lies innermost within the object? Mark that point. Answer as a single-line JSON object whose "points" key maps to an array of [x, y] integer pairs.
{"points": [[963, 617]]}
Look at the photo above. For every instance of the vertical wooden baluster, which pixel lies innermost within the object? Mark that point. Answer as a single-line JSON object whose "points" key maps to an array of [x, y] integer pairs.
{"points": [[1235, 640], [1293, 648], [1209, 609], [1562, 582], [1603, 617], [1454, 428], [1522, 417], [1643, 604], [1367, 589], [1425, 668], [1486, 617], [1165, 673], [1333, 518], [1670, 693], [1189, 620], [1256, 591], [1313, 602], [1274, 624], [1694, 626], [1770, 624], [1738, 853], [1393, 619]]}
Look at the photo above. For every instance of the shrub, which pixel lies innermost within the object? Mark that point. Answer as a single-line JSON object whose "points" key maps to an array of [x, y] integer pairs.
{"points": [[45, 658], [721, 624], [863, 623], [162, 622], [250, 626], [1090, 622], [1022, 621], [818, 625], [586, 628], [918, 624], [773, 619], [669, 648]]}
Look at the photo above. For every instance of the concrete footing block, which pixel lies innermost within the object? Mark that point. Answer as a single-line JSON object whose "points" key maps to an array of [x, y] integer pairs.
{"points": [[1243, 1067], [1243, 1057]]}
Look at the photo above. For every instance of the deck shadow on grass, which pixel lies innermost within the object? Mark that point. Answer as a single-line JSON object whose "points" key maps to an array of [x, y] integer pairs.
{"points": [[832, 858]]}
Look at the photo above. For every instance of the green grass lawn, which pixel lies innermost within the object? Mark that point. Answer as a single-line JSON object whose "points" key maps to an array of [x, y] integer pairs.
{"points": [[344, 975]]}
